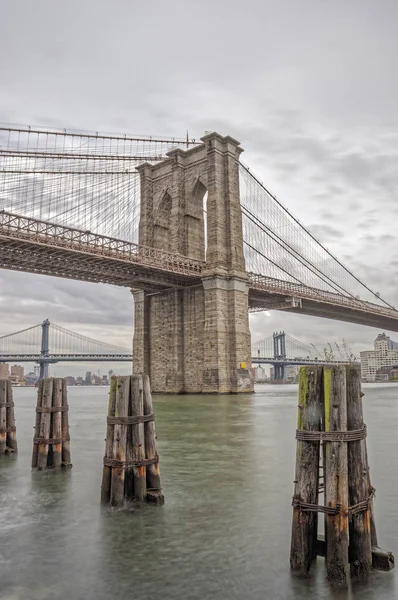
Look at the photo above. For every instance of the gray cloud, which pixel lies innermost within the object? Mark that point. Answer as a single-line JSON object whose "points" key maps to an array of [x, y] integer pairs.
{"points": [[306, 87]]}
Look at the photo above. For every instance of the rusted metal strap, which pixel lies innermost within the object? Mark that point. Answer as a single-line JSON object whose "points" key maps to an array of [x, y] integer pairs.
{"points": [[51, 409], [51, 441], [334, 510], [7, 429], [124, 464], [354, 435], [364, 505], [305, 507], [6, 404], [130, 420]]}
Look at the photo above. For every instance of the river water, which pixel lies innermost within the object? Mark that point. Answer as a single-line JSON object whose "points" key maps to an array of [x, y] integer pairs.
{"points": [[227, 466]]}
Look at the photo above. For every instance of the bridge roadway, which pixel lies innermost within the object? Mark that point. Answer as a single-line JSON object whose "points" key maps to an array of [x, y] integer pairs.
{"points": [[261, 360], [35, 246], [54, 358]]}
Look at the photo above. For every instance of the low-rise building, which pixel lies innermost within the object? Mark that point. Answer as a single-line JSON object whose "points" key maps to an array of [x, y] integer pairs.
{"points": [[384, 354], [4, 370]]}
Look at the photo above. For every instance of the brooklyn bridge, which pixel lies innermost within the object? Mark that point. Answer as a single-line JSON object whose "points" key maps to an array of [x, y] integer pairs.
{"points": [[188, 228]]}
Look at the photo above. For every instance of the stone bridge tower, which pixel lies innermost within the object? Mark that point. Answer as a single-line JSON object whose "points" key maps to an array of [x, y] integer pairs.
{"points": [[195, 339]]}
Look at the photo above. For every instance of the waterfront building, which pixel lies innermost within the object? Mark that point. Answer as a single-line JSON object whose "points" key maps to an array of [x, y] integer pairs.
{"points": [[260, 374], [17, 373], [4, 370], [31, 378], [385, 354]]}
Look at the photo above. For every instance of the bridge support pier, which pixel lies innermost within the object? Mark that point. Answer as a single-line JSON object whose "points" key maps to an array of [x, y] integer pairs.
{"points": [[195, 339]]}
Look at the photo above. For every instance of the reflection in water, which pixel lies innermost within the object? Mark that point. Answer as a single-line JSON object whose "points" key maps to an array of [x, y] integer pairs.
{"points": [[227, 466]]}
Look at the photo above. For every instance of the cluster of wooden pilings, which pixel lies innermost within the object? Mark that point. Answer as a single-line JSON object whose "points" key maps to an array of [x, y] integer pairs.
{"points": [[51, 443], [8, 436], [332, 461], [131, 464]]}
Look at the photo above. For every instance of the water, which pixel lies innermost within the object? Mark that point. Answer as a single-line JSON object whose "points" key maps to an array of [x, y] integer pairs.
{"points": [[227, 467]]}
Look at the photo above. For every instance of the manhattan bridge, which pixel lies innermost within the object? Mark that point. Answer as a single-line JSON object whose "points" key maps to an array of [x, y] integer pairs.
{"points": [[184, 224]]}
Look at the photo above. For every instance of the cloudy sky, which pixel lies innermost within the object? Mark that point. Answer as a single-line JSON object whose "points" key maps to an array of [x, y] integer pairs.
{"points": [[309, 88]]}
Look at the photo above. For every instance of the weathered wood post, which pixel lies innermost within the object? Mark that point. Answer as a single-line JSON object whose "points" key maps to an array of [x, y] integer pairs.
{"points": [[358, 480], [107, 469], [350, 535], [51, 443], [138, 439], [8, 436], [336, 476], [131, 460], [154, 489], [306, 484]]}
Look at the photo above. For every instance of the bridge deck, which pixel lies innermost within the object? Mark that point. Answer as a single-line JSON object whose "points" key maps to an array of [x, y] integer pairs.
{"points": [[36, 246]]}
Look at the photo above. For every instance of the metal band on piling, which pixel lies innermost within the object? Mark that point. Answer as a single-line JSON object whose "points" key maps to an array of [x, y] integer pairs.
{"points": [[7, 429], [130, 420], [124, 464], [354, 435], [51, 409], [334, 510], [53, 441]]}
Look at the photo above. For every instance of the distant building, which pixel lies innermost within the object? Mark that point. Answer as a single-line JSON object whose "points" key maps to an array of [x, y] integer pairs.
{"points": [[260, 374], [70, 380], [384, 355], [4, 370], [17, 374], [31, 378], [87, 379], [292, 373]]}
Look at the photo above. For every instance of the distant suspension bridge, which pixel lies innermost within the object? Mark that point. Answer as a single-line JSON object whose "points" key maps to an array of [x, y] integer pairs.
{"points": [[281, 350], [48, 343]]}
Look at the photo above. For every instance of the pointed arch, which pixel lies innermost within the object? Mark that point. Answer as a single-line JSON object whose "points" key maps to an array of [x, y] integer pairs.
{"points": [[162, 223], [196, 221]]}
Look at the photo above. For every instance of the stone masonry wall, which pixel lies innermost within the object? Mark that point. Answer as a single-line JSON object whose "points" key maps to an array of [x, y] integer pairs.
{"points": [[195, 340]]}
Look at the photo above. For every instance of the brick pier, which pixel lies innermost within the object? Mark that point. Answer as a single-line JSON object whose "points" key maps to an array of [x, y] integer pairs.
{"points": [[195, 339]]}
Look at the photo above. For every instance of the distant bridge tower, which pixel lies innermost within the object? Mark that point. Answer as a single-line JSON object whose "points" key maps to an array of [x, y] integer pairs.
{"points": [[279, 340], [195, 339], [45, 330]]}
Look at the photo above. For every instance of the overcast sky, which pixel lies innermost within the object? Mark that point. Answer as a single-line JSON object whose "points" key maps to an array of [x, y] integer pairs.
{"points": [[309, 88]]}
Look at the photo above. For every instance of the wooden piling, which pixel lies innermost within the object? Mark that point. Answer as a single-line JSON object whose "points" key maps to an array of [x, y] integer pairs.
{"points": [[45, 424], [107, 469], [349, 531], [66, 455], [3, 416], [35, 450], [336, 476], [56, 430], [304, 527], [130, 447], [119, 441], [154, 491], [51, 443], [11, 443], [360, 554], [138, 449]]}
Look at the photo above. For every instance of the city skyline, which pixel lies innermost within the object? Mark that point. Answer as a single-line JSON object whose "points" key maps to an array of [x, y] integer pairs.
{"points": [[79, 369]]}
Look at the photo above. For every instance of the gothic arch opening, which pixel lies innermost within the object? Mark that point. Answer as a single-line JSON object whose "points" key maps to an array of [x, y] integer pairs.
{"points": [[196, 221], [162, 218]]}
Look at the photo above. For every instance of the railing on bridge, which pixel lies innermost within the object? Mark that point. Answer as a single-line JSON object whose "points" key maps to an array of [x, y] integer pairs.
{"points": [[80, 192]]}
